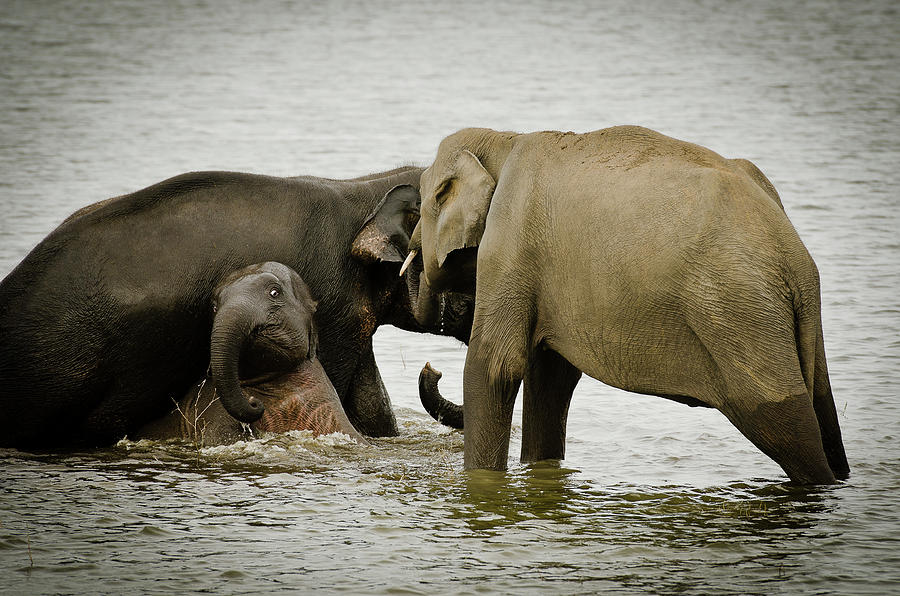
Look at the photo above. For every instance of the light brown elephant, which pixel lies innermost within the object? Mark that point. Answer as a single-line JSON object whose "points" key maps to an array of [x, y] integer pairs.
{"points": [[652, 264]]}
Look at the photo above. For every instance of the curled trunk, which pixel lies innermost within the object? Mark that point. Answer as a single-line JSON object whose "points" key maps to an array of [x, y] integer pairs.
{"points": [[441, 409], [231, 328]]}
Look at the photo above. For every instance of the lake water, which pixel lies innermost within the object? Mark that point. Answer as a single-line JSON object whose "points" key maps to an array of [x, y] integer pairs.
{"points": [[99, 99]]}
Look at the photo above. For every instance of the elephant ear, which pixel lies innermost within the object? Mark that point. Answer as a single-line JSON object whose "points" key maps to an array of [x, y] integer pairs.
{"points": [[384, 237], [463, 199], [302, 294], [301, 290]]}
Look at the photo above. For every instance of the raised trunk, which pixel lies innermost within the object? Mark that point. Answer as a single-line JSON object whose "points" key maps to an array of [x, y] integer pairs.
{"points": [[231, 328], [442, 410]]}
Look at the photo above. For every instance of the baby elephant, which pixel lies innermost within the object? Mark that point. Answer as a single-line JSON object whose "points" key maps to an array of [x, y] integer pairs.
{"points": [[262, 356]]}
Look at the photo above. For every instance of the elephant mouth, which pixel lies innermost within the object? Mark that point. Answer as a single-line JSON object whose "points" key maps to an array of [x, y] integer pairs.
{"points": [[264, 357], [455, 275], [446, 312], [458, 273]]}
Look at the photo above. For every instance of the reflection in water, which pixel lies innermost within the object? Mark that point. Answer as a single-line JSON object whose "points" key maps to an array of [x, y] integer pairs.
{"points": [[491, 500], [649, 536], [665, 515], [99, 99]]}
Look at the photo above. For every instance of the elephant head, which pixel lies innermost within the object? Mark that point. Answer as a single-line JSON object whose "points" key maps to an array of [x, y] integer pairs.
{"points": [[456, 195], [383, 241], [262, 327]]}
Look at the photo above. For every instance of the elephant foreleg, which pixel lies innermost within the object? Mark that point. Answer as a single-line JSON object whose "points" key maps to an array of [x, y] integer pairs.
{"points": [[490, 389], [368, 406], [549, 382]]}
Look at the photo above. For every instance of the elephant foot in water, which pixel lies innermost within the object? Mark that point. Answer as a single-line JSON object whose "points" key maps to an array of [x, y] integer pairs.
{"points": [[302, 399], [441, 409]]}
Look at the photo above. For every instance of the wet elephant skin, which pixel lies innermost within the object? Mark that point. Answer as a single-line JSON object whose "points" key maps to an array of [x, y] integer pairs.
{"points": [[106, 319]]}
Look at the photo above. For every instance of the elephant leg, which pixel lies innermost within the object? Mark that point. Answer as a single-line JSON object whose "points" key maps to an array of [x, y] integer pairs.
{"points": [[787, 431], [107, 422], [823, 403], [549, 382], [489, 394], [368, 405]]}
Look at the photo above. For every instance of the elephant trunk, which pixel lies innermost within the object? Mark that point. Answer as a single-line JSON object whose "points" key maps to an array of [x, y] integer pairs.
{"points": [[231, 329], [424, 302], [427, 310], [441, 409]]}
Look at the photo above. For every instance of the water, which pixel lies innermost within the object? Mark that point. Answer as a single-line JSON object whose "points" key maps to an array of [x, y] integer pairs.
{"points": [[99, 99]]}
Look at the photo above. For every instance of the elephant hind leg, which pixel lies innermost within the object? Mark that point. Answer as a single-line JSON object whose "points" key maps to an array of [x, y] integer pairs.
{"points": [[763, 388], [823, 403], [788, 432], [549, 382]]}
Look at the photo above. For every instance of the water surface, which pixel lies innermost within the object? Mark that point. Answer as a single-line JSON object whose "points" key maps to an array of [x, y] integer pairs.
{"points": [[99, 99]]}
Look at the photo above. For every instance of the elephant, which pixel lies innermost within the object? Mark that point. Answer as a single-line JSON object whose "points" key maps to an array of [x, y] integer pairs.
{"points": [[105, 321], [649, 263], [263, 343]]}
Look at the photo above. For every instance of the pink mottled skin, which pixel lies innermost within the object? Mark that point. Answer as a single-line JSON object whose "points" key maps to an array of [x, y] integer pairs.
{"points": [[302, 399]]}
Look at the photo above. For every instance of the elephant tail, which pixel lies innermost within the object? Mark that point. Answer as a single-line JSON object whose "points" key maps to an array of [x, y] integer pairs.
{"points": [[811, 346], [441, 409]]}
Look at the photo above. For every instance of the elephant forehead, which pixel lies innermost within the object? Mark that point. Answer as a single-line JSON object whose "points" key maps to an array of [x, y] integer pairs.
{"points": [[268, 276], [250, 271], [428, 178], [441, 169], [249, 283], [259, 280], [279, 271]]}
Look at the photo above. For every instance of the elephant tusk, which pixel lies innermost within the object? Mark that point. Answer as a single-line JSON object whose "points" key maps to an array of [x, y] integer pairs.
{"points": [[409, 259]]}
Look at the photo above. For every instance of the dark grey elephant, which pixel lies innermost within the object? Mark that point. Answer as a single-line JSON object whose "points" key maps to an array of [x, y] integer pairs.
{"points": [[651, 264], [107, 318], [263, 351]]}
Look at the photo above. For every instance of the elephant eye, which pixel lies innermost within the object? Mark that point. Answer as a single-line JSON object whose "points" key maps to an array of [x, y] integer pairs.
{"points": [[274, 291], [440, 195]]}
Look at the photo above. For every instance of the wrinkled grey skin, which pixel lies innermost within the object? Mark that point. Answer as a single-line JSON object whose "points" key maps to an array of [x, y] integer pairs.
{"points": [[263, 358], [106, 319], [651, 264]]}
